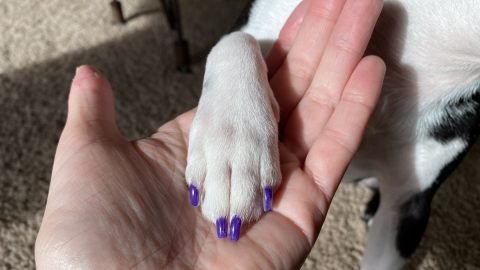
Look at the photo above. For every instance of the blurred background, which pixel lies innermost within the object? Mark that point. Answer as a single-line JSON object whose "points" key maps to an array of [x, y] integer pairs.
{"points": [[41, 43]]}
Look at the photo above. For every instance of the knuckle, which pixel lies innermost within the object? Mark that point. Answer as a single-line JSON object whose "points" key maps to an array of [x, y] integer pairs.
{"points": [[301, 68], [346, 46], [340, 139], [323, 12], [358, 100], [319, 97]]}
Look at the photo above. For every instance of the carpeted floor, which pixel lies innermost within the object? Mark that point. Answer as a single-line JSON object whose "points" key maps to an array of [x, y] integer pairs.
{"points": [[41, 43]]}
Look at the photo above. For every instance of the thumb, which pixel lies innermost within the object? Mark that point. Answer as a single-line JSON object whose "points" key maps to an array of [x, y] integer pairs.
{"points": [[91, 112]]}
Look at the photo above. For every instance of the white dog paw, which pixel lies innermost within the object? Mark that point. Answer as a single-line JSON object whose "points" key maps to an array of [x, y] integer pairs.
{"points": [[233, 161]]}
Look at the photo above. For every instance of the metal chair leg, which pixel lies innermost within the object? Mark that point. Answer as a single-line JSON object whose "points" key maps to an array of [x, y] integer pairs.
{"points": [[117, 13], [182, 54], [172, 12]]}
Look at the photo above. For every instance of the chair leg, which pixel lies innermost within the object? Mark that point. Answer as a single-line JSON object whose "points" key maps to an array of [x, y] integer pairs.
{"points": [[117, 12], [182, 55], [172, 12]]}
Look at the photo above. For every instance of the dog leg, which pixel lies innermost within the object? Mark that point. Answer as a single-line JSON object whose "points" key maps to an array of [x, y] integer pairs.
{"points": [[406, 194]]}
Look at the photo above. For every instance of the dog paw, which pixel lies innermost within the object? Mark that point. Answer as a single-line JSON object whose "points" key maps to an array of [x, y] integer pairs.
{"points": [[233, 163]]}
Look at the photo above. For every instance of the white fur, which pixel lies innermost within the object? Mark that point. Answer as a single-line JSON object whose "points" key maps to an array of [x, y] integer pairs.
{"points": [[432, 51], [266, 20], [398, 181], [233, 150], [427, 171]]}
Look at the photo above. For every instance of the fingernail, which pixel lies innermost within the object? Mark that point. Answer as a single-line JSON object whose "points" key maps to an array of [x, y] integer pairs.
{"points": [[193, 191], [85, 72], [235, 225], [267, 199], [222, 227]]}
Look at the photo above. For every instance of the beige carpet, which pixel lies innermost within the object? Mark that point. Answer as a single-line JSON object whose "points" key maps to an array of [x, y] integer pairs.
{"points": [[41, 43]]}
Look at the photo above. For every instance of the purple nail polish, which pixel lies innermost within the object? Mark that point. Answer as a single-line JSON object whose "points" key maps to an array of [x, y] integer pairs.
{"points": [[235, 225], [267, 199], [222, 226], [193, 191]]}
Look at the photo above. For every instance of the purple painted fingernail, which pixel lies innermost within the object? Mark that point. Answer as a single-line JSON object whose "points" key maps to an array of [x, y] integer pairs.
{"points": [[222, 227], [267, 199], [235, 225], [193, 191]]}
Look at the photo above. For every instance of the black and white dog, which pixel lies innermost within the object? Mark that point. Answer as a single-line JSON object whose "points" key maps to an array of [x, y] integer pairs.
{"points": [[426, 119]]}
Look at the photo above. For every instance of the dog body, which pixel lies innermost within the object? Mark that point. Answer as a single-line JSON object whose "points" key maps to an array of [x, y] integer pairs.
{"points": [[426, 119]]}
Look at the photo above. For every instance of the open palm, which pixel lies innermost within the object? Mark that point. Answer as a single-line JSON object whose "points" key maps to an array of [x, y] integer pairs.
{"points": [[117, 204]]}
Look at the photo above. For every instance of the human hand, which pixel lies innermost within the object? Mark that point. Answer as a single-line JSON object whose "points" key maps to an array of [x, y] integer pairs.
{"points": [[119, 204]]}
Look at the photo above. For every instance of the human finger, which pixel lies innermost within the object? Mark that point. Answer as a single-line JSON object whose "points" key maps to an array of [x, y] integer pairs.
{"points": [[91, 111], [286, 37], [332, 151], [293, 77], [344, 50]]}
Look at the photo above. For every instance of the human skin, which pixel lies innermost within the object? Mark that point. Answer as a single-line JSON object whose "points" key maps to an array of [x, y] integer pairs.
{"points": [[116, 204]]}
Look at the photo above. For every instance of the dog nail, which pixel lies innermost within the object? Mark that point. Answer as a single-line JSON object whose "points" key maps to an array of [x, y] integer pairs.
{"points": [[267, 199], [235, 225], [222, 227], [193, 191]]}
